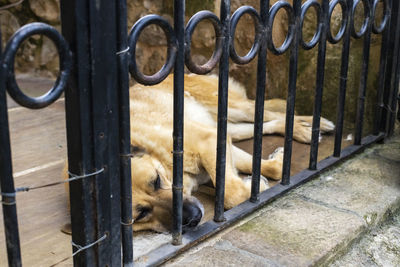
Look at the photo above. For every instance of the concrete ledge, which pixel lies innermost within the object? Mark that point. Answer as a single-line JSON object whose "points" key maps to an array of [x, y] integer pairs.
{"points": [[315, 223], [380, 247]]}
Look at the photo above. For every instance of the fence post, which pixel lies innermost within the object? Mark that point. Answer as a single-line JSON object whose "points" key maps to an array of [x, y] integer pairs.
{"points": [[259, 109], [125, 137], [90, 27], [179, 27], [319, 86], [393, 90], [344, 67], [390, 85], [7, 189], [222, 113], [291, 99]]}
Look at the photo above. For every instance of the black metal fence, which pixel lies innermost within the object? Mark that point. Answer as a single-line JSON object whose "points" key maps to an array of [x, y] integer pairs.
{"points": [[96, 61]]}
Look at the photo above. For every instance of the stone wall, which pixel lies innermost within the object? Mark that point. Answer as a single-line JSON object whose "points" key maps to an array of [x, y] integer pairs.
{"points": [[39, 55]]}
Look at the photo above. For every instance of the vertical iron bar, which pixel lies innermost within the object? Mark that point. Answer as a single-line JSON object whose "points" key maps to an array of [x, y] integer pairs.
{"points": [[319, 86], [104, 76], [382, 73], [179, 26], [393, 99], [291, 98], [393, 89], [222, 112], [391, 53], [363, 83], [125, 136], [390, 65], [7, 183], [259, 108], [75, 28], [343, 83], [92, 129]]}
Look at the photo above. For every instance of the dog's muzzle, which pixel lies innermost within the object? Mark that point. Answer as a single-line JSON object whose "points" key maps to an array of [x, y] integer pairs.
{"points": [[193, 211]]}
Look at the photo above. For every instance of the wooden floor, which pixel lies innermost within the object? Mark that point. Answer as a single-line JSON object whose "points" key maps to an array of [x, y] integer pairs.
{"points": [[39, 150]]}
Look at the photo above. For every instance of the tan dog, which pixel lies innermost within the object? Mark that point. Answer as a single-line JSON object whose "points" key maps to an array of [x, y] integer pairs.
{"points": [[151, 139]]}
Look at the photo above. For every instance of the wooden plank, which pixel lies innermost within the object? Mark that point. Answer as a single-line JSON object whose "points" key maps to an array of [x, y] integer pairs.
{"points": [[41, 214], [37, 136], [39, 151]]}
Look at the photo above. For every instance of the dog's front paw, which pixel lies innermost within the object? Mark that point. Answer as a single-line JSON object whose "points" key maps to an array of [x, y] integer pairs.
{"points": [[277, 154], [326, 126], [263, 183], [272, 168], [302, 131]]}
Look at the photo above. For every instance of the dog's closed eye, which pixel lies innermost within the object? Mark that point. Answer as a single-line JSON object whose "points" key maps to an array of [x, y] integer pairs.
{"points": [[143, 212], [157, 183]]}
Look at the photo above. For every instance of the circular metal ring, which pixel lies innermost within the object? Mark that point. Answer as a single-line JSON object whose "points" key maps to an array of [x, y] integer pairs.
{"points": [[367, 15], [386, 15], [345, 11], [317, 35], [65, 58], [190, 27], [171, 50], [289, 38], [258, 31]]}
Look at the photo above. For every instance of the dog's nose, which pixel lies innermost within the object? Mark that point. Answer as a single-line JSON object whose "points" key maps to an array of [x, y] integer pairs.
{"points": [[191, 216]]}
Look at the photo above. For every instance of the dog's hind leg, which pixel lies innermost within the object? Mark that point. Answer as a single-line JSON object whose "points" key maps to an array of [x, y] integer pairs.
{"points": [[301, 129], [236, 190], [271, 168], [242, 131], [243, 110], [326, 126]]}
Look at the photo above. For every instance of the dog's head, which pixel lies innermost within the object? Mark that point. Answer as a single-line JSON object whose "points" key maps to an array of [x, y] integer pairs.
{"points": [[152, 196]]}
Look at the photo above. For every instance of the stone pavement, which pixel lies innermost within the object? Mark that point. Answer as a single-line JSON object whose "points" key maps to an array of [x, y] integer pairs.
{"points": [[319, 222], [380, 247]]}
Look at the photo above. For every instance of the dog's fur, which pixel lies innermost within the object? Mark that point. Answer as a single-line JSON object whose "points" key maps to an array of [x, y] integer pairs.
{"points": [[151, 140]]}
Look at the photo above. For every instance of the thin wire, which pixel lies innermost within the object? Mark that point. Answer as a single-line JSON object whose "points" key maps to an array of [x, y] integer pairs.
{"points": [[8, 199], [26, 189], [123, 51], [4, 194], [130, 155], [129, 223], [80, 249], [5, 203], [73, 178], [388, 108]]}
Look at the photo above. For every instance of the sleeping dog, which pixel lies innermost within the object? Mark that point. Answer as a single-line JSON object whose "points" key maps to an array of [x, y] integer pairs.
{"points": [[151, 142]]}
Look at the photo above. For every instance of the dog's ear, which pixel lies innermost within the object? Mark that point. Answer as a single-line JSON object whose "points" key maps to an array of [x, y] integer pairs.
{"points": [[137, 151]]}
